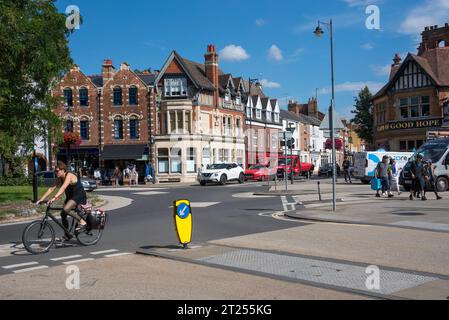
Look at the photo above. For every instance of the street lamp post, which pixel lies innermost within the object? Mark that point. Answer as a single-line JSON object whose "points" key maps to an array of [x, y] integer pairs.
{"points": [[319, 32], [250, 82]]}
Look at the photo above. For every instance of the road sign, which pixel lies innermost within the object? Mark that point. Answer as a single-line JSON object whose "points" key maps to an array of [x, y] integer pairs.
{"points": [[182, 215], [286, 135]]}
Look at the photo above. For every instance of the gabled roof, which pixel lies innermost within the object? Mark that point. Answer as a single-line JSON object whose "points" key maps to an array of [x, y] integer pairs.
{"points": [[288, 115], [255, 90], [435, 63], [265, 103]]}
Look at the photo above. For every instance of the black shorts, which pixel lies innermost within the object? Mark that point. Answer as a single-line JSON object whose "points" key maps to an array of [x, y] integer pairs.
{"points": [[79, 199]]}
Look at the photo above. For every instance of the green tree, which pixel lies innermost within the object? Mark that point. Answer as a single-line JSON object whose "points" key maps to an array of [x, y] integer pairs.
{"points": [[363, 115], [34, 54]]}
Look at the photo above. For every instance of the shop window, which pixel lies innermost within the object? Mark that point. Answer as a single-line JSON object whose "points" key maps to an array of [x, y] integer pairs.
{"points": [[175, 160], [162, 159], [411, 145], [402, 145], [191, 160], [419, 143]]}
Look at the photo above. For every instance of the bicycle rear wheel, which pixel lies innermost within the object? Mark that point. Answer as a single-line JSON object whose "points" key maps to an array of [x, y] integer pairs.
{"points": [[38, 237], [89, 237]]}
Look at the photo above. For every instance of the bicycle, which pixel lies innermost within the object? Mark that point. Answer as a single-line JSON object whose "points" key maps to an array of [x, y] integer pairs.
{"points": [[39, 236]]}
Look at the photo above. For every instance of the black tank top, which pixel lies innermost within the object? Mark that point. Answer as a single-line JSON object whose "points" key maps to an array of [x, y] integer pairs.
{"points": [[76, 192]]}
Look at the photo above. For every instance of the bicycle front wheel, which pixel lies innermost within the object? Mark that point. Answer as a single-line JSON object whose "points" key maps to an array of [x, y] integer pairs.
{"points": [[38, 237]]}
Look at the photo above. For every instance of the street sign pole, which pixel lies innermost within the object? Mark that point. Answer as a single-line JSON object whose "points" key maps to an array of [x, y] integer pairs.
{"points": [[286, 161]]}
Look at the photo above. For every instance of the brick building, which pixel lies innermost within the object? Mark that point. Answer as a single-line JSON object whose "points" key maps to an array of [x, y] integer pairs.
{"points": [[111, 112], [414, 104], [199, 117]]}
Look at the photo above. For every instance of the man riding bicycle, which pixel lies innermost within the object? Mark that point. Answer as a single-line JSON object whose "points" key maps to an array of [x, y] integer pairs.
{"points": [[71, 185]]}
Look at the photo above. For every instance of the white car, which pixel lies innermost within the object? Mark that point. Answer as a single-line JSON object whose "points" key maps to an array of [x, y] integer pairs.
{"points": [[222, 173]]}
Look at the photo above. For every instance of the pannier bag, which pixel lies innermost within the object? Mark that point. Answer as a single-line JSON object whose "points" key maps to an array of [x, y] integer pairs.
{"points": [[376, 184]]}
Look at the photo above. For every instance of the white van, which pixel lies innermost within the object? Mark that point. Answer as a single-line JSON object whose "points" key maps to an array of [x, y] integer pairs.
{"points": [[436, 151], [365, 163]]}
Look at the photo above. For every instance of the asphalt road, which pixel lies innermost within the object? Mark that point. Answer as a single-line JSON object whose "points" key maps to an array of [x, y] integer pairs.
{"points": [[148, 221]]}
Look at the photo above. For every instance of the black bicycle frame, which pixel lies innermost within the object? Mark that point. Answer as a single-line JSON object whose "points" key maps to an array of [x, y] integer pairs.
{"points": [[55, 220]]}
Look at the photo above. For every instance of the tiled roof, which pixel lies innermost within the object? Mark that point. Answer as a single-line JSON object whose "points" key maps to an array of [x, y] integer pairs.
{"points": [[97, 80], [147, 78], [299, 118]]}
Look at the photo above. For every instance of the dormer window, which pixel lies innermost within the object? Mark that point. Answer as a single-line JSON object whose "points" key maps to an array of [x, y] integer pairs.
{"points": [[175, 87], [276, 117], [238, 99], [227, 96]]}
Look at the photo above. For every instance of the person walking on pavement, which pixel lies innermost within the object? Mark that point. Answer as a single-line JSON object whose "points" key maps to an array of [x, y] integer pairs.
{"points": [[394, 177], [430, 178], [346, 170], [383, 173], [417, 172], [116, 176]]}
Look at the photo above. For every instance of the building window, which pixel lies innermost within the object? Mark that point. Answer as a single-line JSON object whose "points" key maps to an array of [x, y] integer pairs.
{"points": [[133, 99], [172, 121], [117, 96], [187, 122], [414, 107], [206, 157], [238, 100], [176, 87], [238, 127], [134, 128], [162, 160], [258, 113], [84, 130], [227, 98], [411, 145], [381, 113], [276, 117], [69, 126], [118, 129], [68, 96], [175, 160], [248, 112], [84, 97], [191, 160]]}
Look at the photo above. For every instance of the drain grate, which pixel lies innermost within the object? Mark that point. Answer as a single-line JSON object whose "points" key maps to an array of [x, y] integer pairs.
{"points": [[318, 271]]}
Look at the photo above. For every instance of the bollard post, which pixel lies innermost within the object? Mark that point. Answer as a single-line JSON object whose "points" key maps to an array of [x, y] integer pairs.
{"points": [[319, 191]]}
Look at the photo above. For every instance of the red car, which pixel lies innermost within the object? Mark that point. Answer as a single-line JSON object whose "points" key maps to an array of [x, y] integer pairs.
{"points": [[260, 172], [299, 168]]}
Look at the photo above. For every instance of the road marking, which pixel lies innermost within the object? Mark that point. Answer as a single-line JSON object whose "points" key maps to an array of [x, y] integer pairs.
{"points": [[149, 193], [105, 251], [66, 258], [13, 266], [78, 261], [200, 204], [30, 269], [117, 254]]}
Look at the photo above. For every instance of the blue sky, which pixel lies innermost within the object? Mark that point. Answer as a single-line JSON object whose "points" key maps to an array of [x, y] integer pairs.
{"points": [[269, 40]]}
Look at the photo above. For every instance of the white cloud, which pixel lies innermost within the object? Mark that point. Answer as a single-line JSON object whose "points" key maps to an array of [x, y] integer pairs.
{"points": [[274, 53], [353, 87], [432, 12], [269, 84], [381, 70], [261, 22], [367, 46], [234, 53]]}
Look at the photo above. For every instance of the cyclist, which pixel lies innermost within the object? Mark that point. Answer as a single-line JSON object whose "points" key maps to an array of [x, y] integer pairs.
{"points": [[69, 184]]}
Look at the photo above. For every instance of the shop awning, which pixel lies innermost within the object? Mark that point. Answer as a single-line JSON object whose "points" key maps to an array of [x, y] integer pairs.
{"points": [[124, 152]]}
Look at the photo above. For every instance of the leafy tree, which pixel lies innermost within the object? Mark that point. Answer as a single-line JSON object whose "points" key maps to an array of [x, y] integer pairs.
{"points": [[34, 54], [363, 115]]}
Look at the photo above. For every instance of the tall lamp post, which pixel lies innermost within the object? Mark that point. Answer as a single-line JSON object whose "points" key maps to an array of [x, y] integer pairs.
{"points": [[250, 82], [319, 32]]}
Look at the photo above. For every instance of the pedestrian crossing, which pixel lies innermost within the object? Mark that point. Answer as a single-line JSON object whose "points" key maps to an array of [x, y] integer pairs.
{"points": [[75, 259]]}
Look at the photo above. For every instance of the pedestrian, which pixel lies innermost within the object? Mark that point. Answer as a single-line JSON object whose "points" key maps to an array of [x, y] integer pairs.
{"points": [[394, 177], [116, 176], [346, 170], [151, 172], [383, 173], [134, 175], [418, 180], [430, 178]]}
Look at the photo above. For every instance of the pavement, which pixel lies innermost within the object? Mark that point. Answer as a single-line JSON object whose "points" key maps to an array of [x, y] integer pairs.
{"points": [[247, 246]]}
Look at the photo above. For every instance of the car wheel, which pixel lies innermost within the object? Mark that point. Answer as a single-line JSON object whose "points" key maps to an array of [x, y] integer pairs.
{"points": [[242, 178], [202, 183], [223, 179], [442, 184]]}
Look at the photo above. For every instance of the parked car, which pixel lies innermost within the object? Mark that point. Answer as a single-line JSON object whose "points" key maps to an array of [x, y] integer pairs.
{"points": [[260, 172], [326, 170], [221, 173], [49, 178]]}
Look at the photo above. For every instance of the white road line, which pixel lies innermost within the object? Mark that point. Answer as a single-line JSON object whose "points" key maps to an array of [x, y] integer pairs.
{"points": [[149, 193], [103, 252], [78, 261], [117, 254], [66, 258], [30, 269], [13, 266]]}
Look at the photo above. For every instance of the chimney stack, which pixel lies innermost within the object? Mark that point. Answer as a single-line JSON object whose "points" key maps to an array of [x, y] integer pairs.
{"points": [[211, 64], [107, 70]]}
